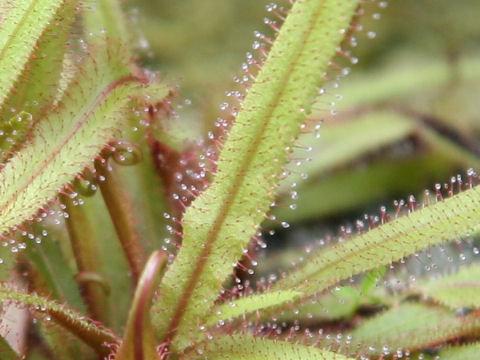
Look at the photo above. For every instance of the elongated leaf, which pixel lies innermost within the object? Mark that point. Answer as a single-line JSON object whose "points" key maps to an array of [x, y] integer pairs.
{"points": [[249, 304], [220, 222], [25, 23], [334, 305], [57, 277], [413, 327], [243, 347], [38, 84], [439, 158], [66, 141], [105, 19], [92, 334], [466, 352], [344, 142], [400, 81], [389, 242], [458, 290]]}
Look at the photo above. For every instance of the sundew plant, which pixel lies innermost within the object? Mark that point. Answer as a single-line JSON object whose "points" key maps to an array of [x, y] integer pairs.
{"points": [[123, 238]]}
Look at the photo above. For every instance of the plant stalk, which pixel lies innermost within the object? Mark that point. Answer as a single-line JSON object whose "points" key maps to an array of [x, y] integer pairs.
{"points": [[120, 210], [86, 256]]}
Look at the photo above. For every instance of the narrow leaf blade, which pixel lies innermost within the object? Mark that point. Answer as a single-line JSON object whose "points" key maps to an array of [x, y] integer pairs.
{"points": [[243, 347], [249, 304], [220, 222], [94, 335], [25, 23], [66, 140], [456, 291], [434, 224], [413, 327]]}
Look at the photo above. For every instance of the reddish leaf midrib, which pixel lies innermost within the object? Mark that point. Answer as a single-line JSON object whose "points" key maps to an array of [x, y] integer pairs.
{"points": [[20, 24], [224, 210], [83, 119]]}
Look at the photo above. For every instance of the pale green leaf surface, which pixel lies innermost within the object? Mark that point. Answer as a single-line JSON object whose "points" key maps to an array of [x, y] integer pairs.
{"points": [[220, 222], [249, 304], [340, 302], [113, 267], [332, 306], [51, 265], [243, 347], [399, 81], [438, 159], [65, 141], [37, 85], [456, 291], [148, 197], [25, 23], [434, 224], [104, 20], [412, 326], [342, 142], [466, 352]]}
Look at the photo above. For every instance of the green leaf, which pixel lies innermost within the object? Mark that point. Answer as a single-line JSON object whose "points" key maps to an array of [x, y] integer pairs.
{"points": [[66, 140], [113, 267], [86, 253], [371, 279], [244, 347], [219, 223], [350, 187], [51, 265], [334, 305], [465, 352], [104, 19], [343, 142], [139, 340], [434, 224], [37, 86], [92, 334], [402, 80], [249, 304], [412, 327], [19, 32], [456, 291]]}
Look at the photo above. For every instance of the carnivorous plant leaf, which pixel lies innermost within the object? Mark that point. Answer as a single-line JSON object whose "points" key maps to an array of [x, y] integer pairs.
{"points": [[220, 222]]}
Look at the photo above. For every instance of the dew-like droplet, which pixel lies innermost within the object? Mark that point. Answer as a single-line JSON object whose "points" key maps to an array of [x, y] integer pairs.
{"points": [[127, 153]]}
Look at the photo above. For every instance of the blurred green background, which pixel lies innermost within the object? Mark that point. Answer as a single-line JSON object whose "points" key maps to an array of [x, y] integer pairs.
{"points": [[407, 116]]}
